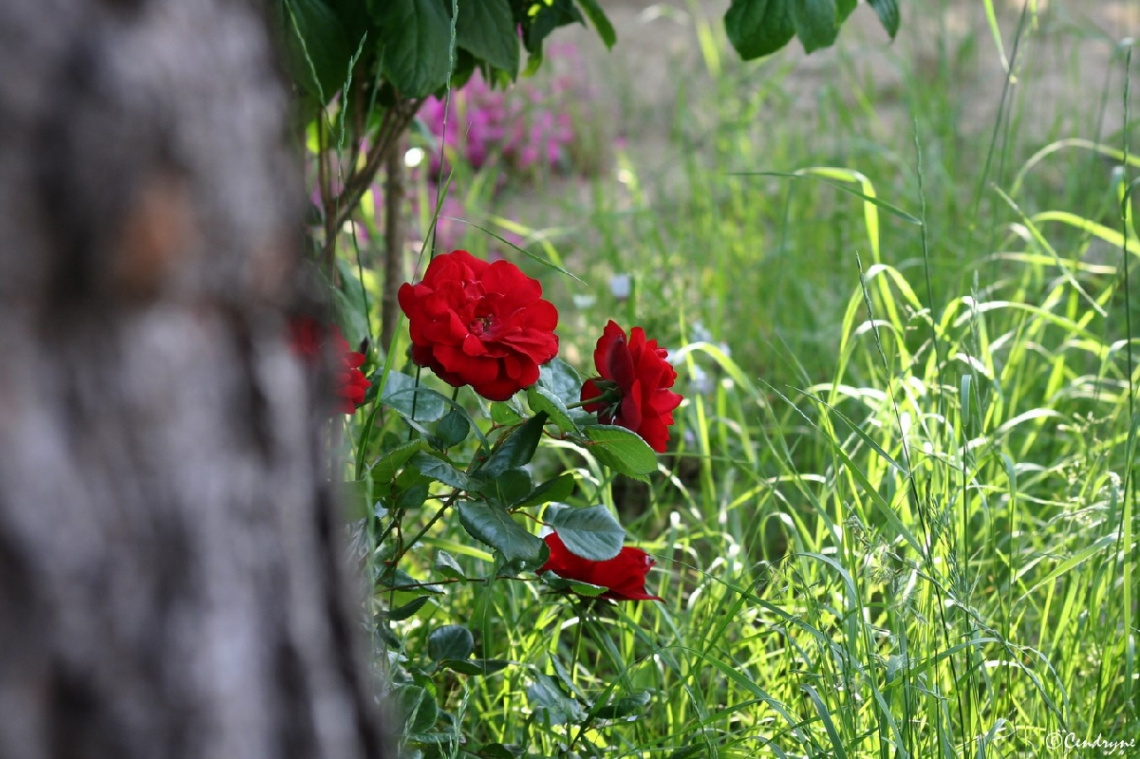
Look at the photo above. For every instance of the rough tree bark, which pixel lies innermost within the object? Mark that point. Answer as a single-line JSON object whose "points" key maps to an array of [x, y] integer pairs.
{"points": [[170, 566]]}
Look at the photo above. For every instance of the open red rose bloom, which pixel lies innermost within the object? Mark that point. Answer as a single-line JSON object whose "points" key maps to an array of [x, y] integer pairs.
{"points": [[624, 574], [634, 385], [307, 336], [480, 324]]}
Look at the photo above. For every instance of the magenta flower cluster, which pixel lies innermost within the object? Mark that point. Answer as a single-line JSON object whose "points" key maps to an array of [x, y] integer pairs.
{"points": [[526, 129]]}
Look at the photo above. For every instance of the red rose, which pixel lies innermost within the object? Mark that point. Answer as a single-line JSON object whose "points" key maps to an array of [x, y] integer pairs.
{"points": [[624, 574], [480, 324], [307, 336], [634, 385]]}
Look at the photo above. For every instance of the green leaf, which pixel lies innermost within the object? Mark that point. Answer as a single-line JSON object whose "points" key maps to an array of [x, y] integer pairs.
{"points": [[394, 578], [510, 487], [452, 429], [390, 464], [498, 529], [561, 584], [416, 705], [403, 612], [816, 22], [446, 565], [545, 18], [415, 44], [351, 305], [440, 470], [620, 449], [486, 29], [515, 449], [475, 667], [412, 498], [888, 13], [546, 696], [759, 27], [450, 642], [625, 707], [318, 49], [504, 414], [541, 399], [601, 23], [557, 489], [591, 532], [401, 394], [560, 379]]}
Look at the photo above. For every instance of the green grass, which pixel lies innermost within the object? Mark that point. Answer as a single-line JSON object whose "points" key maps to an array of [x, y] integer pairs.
{"points": [[901, 519]]}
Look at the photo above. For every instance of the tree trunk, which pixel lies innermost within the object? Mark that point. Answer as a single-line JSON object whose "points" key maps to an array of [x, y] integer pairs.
{"points": [[171, 578]]}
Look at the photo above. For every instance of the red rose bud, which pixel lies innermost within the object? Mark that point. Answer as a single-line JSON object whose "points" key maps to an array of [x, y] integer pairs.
{"points": [[633, 389], [480, 324], [623, 575], [307, 337]]}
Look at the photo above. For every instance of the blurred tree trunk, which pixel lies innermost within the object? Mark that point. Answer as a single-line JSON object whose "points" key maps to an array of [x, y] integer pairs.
{"points": [[171, 579]]}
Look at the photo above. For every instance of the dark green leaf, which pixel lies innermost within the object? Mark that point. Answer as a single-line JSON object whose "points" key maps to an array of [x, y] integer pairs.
{"points": [[759, 27], [591, 533], [625, 707], [475, 666], [446, 565], [440, 470], [888, 13], [549, 15], [509, 487], [516, 448], [622, 450], [415, 44], [452, 428], [500, 751], [541, 399], [407, 610], [558, 489], [398, 579], [318, 48], [412, 498], [496, 528], [486, 29], [816, 22], [450, 642], [598, 18], [401, 393], [416, 705]]}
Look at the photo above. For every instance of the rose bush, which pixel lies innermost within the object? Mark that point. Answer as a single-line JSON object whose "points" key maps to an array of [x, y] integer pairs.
{"points": [[633, 389], [308, 337], [623, 575], [480, 324]]}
